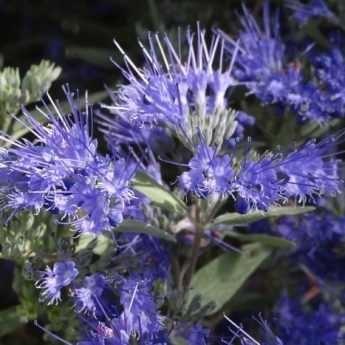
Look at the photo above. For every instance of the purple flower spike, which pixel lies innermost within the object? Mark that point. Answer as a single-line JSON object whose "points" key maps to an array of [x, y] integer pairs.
{"points": [[62, 172], [183, 92]]}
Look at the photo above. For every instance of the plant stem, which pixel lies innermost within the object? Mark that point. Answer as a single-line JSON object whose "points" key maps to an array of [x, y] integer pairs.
{"points": [[195, 255]]}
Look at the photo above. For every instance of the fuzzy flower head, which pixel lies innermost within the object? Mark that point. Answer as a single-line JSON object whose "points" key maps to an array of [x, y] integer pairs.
{"points": [[121, 321], [62, 172], [261, 51], [208, 173], [264, 66], [258, 182], [53, 280], [183, 88]]}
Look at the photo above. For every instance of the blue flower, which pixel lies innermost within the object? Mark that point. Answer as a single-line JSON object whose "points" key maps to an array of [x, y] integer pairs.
{"points": [[120, 321], [317, 176], [182, 92], [257, 185], [61, 171], [264, 67], [303, 13], [209, 173], [139, 309], [305, 174], [328, 69], [53, 280]]}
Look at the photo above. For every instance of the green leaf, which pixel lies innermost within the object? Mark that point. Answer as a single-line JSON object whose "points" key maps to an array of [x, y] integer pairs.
{"points": [[240, 219], [217, 282], [10, 320], [98, 244], [268, 240], [137, 226], [158, 194]]}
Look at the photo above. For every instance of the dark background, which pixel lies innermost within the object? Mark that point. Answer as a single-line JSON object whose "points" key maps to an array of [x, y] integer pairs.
{"points": [[77, 34]]}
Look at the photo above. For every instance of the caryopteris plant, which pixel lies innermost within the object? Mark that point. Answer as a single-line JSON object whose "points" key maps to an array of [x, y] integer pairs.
{"points": [[219, 195]]}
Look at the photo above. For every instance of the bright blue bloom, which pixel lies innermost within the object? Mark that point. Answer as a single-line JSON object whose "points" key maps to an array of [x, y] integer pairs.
{"points": [[62, 172], [261, 61], [264, 67], [139, 309], [261, 52], [184, 91], [303, 13], [134, 318], [208, 174], [298, 326], [314, 177], [328, 68], [305, 174], [53, 280], [170, 88], [257, 185], [119, 131]]}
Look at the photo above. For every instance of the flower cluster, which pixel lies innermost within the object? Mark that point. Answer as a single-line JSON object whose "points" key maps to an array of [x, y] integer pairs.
{"points": [[61, 171], [271, 179], [266, 68], [186, 93]]}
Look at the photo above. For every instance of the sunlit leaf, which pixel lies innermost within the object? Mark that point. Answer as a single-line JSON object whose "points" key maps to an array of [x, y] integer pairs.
{"points": [[158, 194], [240, 219], [217, 282]]}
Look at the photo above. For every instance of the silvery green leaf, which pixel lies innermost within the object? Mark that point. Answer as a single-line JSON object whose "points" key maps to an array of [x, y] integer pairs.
{"points": [[240, 219], [98, 244], [158, 194], [131, 225], [218, 281]]}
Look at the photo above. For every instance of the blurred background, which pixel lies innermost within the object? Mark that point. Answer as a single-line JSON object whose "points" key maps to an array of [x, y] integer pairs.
{"points": [[77, 35]]}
